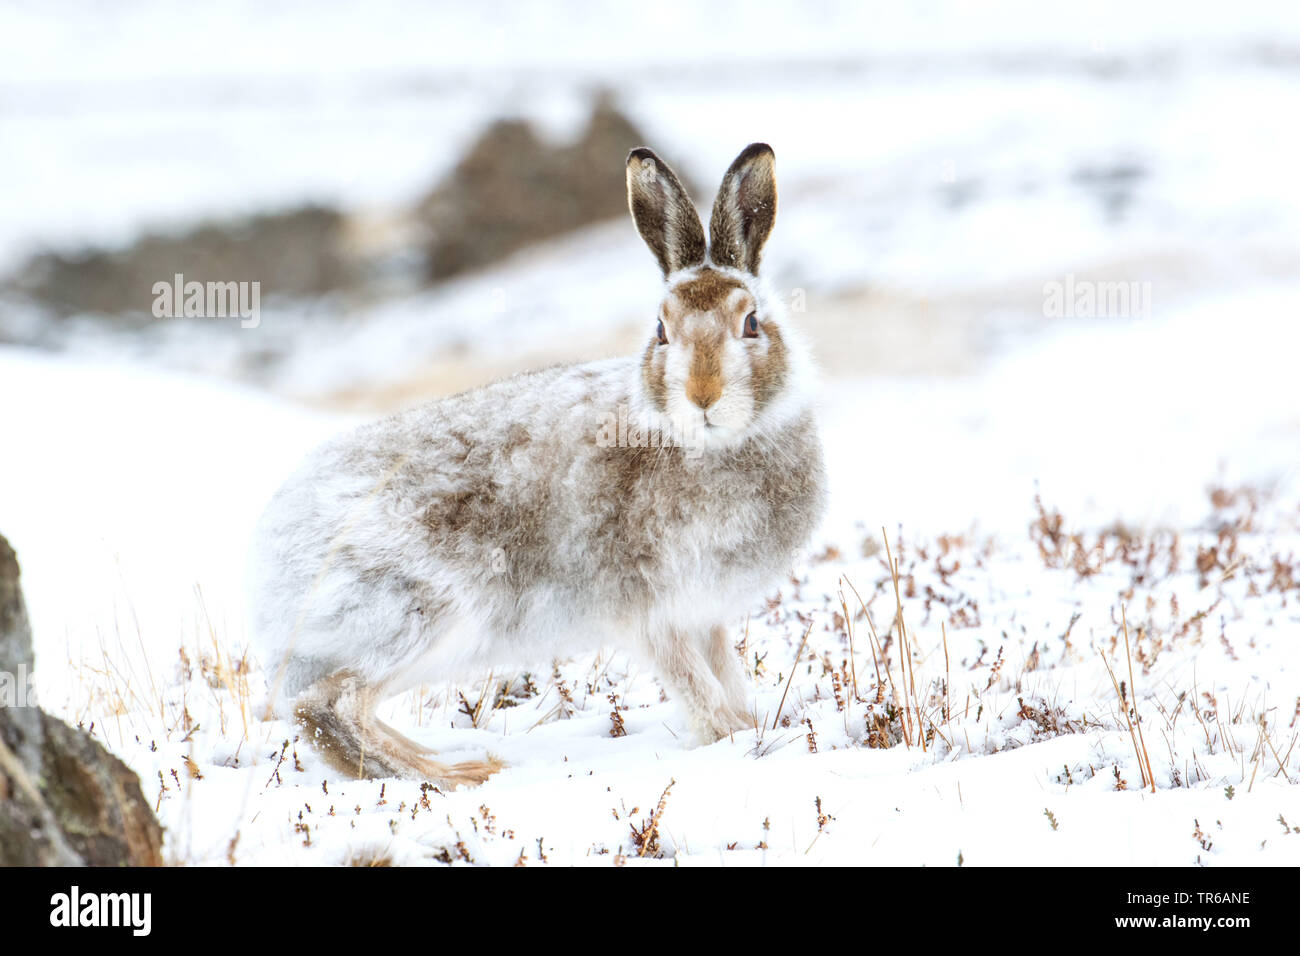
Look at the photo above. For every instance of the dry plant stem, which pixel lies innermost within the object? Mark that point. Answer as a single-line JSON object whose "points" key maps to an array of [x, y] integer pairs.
{"points": [[224, 670], [797, 655], [1285, 760], [848, 627], [876, 653], [906, 666], [649, 833], [873, 641], [1151, 777], [1128, 720], [1257, 759], [893, 690], [1119, 695], [744, 649], [139, 636], [489, 689], [947, 675]]}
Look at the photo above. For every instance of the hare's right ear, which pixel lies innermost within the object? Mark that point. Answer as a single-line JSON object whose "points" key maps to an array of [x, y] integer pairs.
{"points": [[663, 213], [745, 209]]}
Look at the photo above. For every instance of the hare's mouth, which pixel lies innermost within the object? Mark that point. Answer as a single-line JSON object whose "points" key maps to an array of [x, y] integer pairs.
{"points": [[718, 431], [710, 428], [718, 423]]}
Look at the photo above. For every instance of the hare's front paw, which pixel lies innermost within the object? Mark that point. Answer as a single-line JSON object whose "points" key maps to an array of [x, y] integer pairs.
{"points": [[722, 724]]}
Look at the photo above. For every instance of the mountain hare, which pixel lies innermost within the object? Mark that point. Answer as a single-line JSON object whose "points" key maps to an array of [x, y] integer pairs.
{"points": [[644, 503]]}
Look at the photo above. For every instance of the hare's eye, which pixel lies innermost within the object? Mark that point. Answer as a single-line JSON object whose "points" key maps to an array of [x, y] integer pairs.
{"points": [[663, 336], [751, 325]]}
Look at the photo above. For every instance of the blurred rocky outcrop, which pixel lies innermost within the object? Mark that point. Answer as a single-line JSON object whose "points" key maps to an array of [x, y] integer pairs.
{"points": [[298, 252], [512, 188], [320, 270], [64, 799]]}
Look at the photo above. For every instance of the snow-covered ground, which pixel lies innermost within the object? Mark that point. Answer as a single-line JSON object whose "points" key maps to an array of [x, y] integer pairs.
{"points": [[938, 166], [131, 495]]}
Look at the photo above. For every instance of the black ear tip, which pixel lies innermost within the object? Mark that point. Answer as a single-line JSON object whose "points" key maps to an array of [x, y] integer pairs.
{"points": [[755, 150]]}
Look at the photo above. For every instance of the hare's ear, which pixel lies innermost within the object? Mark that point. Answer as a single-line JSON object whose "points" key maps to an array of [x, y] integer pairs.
{"points": [[745, 209], [663, 213]]}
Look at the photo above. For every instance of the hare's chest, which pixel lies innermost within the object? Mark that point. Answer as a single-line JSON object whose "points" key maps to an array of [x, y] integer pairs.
{"points": [[727, 521], [761, 521], [782, 497]]}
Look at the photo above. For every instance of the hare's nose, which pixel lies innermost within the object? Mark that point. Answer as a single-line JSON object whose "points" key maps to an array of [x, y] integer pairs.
{"points": [[703, 391]]}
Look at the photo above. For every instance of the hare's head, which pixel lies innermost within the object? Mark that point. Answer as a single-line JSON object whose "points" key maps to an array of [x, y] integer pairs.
{"points": [[719, 359]]}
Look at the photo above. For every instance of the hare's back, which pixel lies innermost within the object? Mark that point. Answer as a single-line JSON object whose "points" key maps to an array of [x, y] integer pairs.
{"points": [[467, 476]]}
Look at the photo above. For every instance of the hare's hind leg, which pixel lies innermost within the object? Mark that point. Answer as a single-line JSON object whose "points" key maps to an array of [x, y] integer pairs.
{"points": [[337, 716], [681, 661]]}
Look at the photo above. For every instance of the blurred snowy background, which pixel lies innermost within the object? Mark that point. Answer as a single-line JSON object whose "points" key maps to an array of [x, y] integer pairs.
{"points": [[431, 196]]}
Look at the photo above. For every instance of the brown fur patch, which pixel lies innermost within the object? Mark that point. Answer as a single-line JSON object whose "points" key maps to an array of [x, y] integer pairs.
{"points": [[769, 369], [652, 374], [704, 382], [516, 437], [706, 291]]}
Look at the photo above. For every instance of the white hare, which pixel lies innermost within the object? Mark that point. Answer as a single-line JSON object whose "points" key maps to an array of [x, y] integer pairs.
{"points": [[642, 503]]}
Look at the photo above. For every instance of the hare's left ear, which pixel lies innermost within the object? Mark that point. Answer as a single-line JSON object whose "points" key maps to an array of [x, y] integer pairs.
{"points": [[745, 209], [663, 212]]}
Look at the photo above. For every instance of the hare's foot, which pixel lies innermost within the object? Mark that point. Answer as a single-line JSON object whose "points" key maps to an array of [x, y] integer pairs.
{"points": [[394, 762], [467, 773], [723, 724], [408, 759], [336, 715], [710, 709], [397, 735]]}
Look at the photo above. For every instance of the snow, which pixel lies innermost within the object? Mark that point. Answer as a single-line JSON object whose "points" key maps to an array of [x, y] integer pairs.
{"points": [[929, 158], [133, 489]]}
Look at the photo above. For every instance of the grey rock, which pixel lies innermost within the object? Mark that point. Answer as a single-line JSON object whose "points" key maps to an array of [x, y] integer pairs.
{"points": [[64, 799]]}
